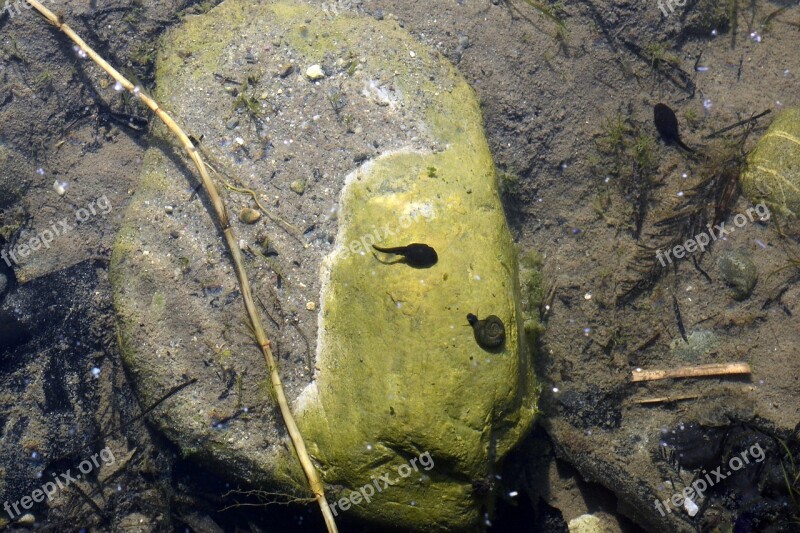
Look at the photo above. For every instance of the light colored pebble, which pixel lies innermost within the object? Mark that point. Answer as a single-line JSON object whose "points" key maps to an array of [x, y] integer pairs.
{"points": [[315, 72], [249, 215], [26, 520], [60, 187], [298, 186]]}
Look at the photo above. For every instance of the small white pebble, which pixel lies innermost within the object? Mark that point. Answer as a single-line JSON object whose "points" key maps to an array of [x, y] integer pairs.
{"points": [[118, 86], [96, 372], [315, 72], [513, 494], [587, 296], [555, 389], [60, 187], [690, 506], [412, 53]]}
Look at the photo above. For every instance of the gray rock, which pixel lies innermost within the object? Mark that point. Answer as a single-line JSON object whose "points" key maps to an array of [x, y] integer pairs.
{"points": [[739, 272]]}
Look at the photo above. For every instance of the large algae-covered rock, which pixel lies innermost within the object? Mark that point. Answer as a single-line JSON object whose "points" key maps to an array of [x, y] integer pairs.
{"points": [[398, 390], [773, 167]]}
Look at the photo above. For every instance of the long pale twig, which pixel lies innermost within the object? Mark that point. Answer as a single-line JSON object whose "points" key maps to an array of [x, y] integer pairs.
{"points": [[233, 247], [699, 371]]}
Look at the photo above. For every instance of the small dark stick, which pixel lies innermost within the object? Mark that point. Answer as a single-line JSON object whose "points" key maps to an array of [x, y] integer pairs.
{"points": [[678, 318]]}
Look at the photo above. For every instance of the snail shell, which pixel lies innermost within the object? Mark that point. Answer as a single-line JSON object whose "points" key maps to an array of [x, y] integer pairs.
{"points": [[490, 332]]}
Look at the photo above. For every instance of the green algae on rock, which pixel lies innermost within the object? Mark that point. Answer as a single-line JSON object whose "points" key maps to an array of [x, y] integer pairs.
{"points": [[397, 373], [772, 174]]}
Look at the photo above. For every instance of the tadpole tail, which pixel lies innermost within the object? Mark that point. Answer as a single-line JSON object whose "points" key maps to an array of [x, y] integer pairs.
{"points": [[683, 145], [395, 250]]}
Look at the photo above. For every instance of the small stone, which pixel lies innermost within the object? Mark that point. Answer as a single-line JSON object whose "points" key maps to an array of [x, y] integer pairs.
{"points": [[60, 187], [249, 215], [311, 306], [315, 72], [412, 53], [298, 186], [267, 248], [168, 209], [360, 157], [285, 69], [232, 123], [739, 272], [26, 520]]}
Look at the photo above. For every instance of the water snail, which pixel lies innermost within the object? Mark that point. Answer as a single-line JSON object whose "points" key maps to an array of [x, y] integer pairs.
{"points": [[490, 333]]}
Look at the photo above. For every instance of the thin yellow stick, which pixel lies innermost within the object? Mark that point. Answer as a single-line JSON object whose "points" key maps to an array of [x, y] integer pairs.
{"points": [[700, 371], [233, 246]]}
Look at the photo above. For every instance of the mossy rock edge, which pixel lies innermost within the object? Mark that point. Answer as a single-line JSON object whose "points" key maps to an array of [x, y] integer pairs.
{"points": [[772, 175], [400, 385]]}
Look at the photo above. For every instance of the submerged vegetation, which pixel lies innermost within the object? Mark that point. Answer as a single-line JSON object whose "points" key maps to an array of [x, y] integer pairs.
{"points": [[627, 164]]}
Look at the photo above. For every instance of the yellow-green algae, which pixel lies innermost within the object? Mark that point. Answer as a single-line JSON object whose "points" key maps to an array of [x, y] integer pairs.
{"points": [[772, 174], [399, 372]]}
